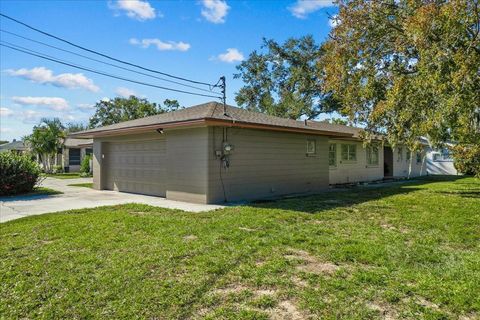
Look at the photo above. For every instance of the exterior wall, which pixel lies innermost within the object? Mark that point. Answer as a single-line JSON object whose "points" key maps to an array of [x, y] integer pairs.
{"points": [[439, 166], [401, 165], [187, 162], [265, 164], [97, 164], [348, 172]]}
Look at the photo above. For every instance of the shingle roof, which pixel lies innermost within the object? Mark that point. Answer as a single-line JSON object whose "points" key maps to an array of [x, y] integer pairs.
{"points": [[72, 142], [215, 111], [14, 145]]}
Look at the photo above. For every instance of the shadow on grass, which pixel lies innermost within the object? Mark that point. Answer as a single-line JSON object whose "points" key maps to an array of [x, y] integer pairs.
{"points": [[37, 194], [339, 198]]}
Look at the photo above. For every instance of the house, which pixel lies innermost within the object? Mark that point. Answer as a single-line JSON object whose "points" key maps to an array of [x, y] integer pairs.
{"points": [[210, 154], [73, 152], [15, 146], [440, 161]]}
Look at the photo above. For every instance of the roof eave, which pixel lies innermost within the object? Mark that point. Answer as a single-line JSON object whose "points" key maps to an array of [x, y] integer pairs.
{"points": [[205, 122]]}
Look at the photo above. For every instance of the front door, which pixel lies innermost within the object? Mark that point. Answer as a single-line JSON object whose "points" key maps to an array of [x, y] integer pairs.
{"points": [[387, 162]]}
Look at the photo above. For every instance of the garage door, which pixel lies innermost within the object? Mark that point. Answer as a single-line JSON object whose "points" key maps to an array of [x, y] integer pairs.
{"points": [[137, 167]]}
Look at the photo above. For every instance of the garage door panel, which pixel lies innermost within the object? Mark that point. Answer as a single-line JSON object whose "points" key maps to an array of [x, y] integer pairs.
{"points": [[138, 167]]}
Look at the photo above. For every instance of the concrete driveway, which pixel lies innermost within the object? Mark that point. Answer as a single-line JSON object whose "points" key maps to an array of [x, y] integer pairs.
{"points": [[80, 197]]}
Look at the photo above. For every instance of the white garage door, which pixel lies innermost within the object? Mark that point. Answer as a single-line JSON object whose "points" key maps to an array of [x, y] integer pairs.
{"points": [[137, 167]]}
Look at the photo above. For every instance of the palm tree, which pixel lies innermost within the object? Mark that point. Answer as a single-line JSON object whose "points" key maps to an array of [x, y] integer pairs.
{"points": [[45, 141]]}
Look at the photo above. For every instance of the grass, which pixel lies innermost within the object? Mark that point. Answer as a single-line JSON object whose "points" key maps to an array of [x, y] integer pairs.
{"points": [[70, 175], [407, 251], [85, 185], [36, 191]]}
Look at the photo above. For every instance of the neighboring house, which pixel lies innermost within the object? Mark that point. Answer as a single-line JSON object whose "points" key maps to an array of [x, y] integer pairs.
{"points": [[73, 152], [440, 161], [15, 146], [209, 154]]}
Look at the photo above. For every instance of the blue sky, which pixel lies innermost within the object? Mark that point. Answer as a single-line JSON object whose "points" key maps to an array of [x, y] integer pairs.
{"points": [[200, 40]]}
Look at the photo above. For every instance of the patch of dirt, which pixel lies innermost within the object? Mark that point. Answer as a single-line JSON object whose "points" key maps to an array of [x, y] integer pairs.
{"points": [[247, 229], [299, 282], [287, 310], [390, 227], [386, 311], [424, 302], [190, 237], [234, 288], [311, 263]]}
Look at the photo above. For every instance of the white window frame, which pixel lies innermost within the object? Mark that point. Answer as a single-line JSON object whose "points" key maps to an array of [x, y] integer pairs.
{"points": [[351, 152], [311, 146], [332, 152]]}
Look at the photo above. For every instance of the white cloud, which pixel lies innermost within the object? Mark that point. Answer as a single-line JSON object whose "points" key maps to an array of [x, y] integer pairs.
{"points": [[54, 103], [136, 9], [303, 8], [44, 76], [215, 11], [124, 92], [5, 112], [5, 130], [162, 46], [30, 116], [232, 55], [85, 106], [334, 21]]}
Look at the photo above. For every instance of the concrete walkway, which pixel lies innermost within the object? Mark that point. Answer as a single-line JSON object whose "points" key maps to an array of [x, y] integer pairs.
{"points": [[80, 197]]}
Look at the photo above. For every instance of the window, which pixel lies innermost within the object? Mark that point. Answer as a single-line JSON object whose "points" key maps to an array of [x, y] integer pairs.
{"points": [[88, 151], [408, 155], [349, 152], [332, 155], [74, 157], [400, 154], [419, 157], [310, 146], [372, 155]]}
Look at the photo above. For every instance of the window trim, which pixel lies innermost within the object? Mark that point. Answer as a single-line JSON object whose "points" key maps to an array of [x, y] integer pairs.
{"points": [[334, 152], [368, 152], [311, 142], [349, 149]]}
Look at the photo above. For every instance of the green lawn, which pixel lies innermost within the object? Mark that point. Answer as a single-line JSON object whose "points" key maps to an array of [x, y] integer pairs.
{"points": [[85, 185], [70, 175], [408, 251]]}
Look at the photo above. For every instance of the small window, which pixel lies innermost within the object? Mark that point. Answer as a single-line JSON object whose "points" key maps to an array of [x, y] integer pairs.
{"points": [[74, 157], [400, 154], [310, 146], [436, 157], [349, 152], [419, 157], [372, 155], [408, 155], [88, 151], [332, 155]]}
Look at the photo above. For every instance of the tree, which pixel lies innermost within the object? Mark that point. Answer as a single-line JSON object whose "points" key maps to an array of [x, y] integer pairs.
{"points": [[45, 141], [284, 80], [408, 68], [75, 127], [171, 105], [122, 109]]}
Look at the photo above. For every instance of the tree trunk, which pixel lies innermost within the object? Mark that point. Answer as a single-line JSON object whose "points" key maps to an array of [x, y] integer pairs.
{"points": [[410, 165]]}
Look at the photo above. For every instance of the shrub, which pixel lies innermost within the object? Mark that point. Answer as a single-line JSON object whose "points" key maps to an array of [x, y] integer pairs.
{"points": [[85, 166], [18, 173], [467, 159], [57, 169]]}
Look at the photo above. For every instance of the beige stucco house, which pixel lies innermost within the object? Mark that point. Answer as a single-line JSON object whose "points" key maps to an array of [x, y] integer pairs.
{"points": [[73, 152], [211, 154]]}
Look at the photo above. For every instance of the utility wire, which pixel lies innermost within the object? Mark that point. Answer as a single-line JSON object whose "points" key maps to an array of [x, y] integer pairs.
{"points": [[101, 54], [46, 57], [106, 63]]}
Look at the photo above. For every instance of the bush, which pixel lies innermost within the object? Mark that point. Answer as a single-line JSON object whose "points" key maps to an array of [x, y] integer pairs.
{"points": [[57, 169], [18, 173], [85, 166], [467, 159]]}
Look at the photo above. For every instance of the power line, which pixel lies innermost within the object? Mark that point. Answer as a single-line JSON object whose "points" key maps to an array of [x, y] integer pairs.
{"points": [[107, 63], [46, 57], [101, 54]]}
